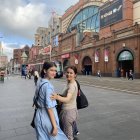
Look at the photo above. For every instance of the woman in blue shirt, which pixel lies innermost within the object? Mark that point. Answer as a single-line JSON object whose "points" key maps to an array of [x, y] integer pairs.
{"points": [[46, 119]]}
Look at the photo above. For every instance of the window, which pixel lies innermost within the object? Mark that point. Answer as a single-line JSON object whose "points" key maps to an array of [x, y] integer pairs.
{"points": [[87, 18]]}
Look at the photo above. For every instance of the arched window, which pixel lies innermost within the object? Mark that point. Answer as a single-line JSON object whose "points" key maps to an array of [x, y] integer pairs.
{"points": [[86, 19]]}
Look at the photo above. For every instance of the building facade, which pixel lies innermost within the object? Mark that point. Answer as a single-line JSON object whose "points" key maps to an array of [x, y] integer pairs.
{"points": [[111, 46], [97, 35]]}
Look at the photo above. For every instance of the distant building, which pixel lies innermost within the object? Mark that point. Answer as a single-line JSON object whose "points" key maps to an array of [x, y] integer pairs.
{"points": [[41, 37], [3, 60], [17, 58], [99, 35]]}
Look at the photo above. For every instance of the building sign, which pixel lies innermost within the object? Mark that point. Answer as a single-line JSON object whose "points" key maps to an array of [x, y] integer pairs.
{"points": [[76, 61], [97, 56], [111, 13], [46, 50], [65, 55], [106, 55], [55, 41]]}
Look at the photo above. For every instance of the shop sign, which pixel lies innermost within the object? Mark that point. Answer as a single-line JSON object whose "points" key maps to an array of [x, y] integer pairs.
{"points": [[45, 50], [65, 55], [112, 13], [76, 61], [106, 55], [96, 56], [41, 51]]}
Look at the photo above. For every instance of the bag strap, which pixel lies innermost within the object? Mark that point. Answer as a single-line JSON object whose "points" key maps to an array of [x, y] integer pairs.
{"points": [[78, 85], [38, 94]]}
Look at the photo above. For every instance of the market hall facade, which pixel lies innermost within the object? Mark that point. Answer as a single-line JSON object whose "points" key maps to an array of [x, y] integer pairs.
{"points": [[103, 37]]}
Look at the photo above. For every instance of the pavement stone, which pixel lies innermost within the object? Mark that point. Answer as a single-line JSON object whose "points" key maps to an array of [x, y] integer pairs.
{"points": [[111, 115]]}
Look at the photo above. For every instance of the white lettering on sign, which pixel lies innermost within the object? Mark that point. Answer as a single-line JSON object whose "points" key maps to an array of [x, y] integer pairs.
{"points": [[111, 12]]}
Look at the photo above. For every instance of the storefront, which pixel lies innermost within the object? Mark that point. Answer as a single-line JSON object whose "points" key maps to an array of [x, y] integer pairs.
{"points": [[125, 63]]}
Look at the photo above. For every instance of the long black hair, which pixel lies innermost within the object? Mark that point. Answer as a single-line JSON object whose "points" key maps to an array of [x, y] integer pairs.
{"points": [[46, 66]]}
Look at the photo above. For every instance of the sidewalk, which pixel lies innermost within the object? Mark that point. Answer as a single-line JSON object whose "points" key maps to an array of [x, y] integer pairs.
{"points": [[111, 83], [106, 78]]}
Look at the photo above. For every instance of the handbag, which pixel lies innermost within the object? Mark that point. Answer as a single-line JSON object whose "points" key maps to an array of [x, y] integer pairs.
{"points": [[32, 122], [36, 106], [58, 107], [81, 99]]}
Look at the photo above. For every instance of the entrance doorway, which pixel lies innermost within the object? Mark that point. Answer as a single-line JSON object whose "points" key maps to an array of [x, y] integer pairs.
{"points": [[65, 64], [125, 63], [87, 66]]}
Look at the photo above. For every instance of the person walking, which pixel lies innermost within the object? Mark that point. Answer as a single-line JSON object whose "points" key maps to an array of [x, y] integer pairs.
{"points": [[99, 73], [36, 77], [130, 75], [46, 118], [68, 114], [25, 72]]}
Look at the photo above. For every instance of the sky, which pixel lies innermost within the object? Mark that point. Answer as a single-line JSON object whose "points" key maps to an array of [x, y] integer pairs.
{"points": [[19, 20]]}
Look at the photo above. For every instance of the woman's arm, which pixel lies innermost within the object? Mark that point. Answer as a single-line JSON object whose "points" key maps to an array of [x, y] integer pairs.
{"points": [[53, 122], [62, 99]]}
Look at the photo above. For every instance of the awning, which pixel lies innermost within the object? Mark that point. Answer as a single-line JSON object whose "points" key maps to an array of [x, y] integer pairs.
{"points": [[125, 55]]}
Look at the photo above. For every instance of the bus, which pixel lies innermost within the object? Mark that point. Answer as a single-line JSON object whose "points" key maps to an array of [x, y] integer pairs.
{"points": [[23, 69]]}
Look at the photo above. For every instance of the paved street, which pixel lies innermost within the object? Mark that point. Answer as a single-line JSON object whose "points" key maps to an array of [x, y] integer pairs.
{"points": [[113, 114]]}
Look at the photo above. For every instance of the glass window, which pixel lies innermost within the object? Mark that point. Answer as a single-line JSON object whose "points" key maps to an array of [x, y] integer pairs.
{"points": [[85, 13], [88, 24], [91, 11], [87, 18], [79, 17], [93, 22], [97, 20], [96, 10]]}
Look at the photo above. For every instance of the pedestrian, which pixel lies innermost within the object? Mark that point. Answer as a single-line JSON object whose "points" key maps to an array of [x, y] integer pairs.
{"points": [[46, 118], [6, 73], [130, 75], [29, 74], [25, 72], [36, 77], [99, 73], [68, 114]]}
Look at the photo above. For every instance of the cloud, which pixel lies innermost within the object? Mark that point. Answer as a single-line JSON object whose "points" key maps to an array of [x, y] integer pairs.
{"points": [[21, 18], [8, 49]]}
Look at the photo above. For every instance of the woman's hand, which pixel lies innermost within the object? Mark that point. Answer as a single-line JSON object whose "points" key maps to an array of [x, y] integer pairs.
{"points": [[54, 97], [54, 131]]}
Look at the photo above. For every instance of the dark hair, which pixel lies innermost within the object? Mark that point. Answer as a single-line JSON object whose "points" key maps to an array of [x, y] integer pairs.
{"points": [[46, 66], [73, 68]]}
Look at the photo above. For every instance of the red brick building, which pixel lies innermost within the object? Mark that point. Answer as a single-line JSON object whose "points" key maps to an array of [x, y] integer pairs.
{"points": [[113, 48]]}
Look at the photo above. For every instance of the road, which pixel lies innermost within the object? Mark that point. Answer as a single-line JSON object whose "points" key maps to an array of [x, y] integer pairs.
{"points": [[111, 115]]}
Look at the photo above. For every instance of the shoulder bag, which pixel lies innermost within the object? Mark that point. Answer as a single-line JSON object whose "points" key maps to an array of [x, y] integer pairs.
{"points": [[81, 100]]}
